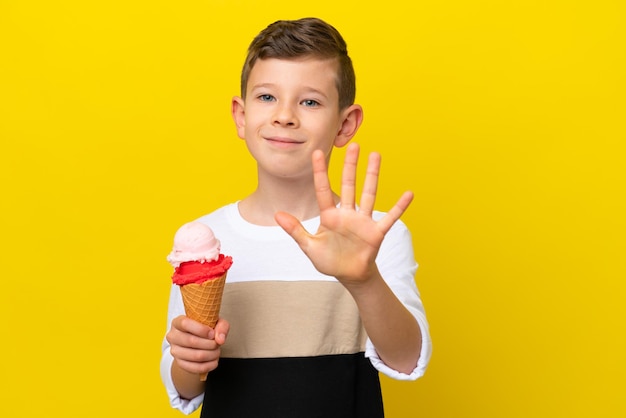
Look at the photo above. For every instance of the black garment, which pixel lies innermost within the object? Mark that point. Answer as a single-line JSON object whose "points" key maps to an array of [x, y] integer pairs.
{"points": [[331, 386]]}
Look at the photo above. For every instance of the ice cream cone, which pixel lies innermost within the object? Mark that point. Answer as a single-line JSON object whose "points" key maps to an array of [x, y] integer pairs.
{"points": [[202, 302], [200, 272]]}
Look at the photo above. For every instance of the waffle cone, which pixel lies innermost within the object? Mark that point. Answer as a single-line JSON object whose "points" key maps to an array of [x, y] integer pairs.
{"points": [[202, 301]]}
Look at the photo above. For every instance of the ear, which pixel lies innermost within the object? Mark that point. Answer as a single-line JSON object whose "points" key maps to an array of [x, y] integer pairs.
{"points": [[352, 117], [239, 115]]}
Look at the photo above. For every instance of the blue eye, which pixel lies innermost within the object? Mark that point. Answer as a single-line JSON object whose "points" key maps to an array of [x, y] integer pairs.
{"points": [[310, 103], [266, 97]]}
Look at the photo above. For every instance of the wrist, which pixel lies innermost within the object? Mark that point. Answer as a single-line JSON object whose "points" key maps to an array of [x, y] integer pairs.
{"points": [[364, 285], [187, 384]]}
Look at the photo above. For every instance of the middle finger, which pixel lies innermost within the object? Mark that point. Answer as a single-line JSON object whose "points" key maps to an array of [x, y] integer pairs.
{"points": [[348, 177]]}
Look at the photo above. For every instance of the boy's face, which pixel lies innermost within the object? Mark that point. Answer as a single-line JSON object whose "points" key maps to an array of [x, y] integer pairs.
{"points": [[292, 109]]}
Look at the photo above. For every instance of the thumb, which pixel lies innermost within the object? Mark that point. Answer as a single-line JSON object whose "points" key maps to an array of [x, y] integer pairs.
{"points": [[221, 331], [293, 227]]}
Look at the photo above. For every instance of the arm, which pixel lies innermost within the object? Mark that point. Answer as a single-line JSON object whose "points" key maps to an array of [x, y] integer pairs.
{"points": [[390, 326], [348, 234]]}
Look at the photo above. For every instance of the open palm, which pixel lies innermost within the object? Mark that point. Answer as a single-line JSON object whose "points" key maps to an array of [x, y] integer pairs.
{"points": [[348, 239]]}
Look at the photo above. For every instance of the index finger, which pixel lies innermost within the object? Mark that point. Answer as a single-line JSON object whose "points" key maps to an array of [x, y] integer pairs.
{"points": [[323, 191], [191, 326]]}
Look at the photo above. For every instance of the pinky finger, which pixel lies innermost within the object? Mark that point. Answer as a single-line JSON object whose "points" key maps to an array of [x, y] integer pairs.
{"points": [[395, 212]]}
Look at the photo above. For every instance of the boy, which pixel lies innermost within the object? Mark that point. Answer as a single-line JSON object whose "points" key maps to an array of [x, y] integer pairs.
{"points": [[321, 296]]}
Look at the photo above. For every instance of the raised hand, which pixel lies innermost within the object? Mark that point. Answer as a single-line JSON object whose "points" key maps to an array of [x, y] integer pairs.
{"points": [[348, 239]]}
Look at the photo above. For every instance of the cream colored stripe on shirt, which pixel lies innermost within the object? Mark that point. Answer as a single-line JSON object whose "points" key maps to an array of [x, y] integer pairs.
{"points": [[270, 319]]}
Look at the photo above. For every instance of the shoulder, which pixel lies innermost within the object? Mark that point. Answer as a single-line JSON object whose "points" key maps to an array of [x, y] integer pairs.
{"points": [[221, 219], [397, 244], [218, 215]]}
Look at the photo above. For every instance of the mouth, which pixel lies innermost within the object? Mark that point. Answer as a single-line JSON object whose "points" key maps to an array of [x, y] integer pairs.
{"points": [[284, 141]]}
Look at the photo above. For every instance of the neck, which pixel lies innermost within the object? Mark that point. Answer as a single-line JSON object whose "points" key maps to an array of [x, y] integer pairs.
{"points": [[296, 197]]}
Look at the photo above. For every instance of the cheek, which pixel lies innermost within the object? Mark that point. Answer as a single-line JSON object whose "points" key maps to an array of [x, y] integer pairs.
{"points": [[246, 128], [253, 119]]}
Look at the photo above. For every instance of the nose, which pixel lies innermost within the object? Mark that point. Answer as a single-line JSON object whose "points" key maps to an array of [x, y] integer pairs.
{"points": [[285, 115]]}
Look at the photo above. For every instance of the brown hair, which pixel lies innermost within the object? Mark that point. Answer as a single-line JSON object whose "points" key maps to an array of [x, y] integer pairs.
{"points": [[307, 37]]}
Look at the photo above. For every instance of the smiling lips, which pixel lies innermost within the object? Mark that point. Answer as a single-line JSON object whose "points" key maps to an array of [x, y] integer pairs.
{"points": [[282, 140]]}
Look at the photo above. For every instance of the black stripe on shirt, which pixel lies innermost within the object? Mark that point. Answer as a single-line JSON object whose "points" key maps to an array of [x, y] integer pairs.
{"points": [[332, 386]]}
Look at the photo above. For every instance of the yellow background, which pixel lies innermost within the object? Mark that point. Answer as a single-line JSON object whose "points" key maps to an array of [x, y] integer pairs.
{"points": [[505, 118]]}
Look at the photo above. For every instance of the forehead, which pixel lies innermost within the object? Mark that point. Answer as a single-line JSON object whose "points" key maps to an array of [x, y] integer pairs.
{"points": [[311, 72]]}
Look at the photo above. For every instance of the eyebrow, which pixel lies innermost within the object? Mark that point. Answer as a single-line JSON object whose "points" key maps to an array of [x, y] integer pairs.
{"points": [[262, 85]]}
